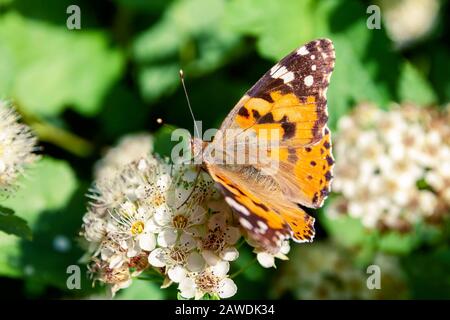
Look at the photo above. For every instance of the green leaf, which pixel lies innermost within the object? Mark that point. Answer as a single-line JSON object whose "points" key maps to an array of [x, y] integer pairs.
{"points": [[350, 232], [344, 90], [48, 188], [159, 80], [149, 6], [190, 35], [413, 87], [345, 230], [15, 225], [397, 243], [296, 23], [48, 68], [6, 211]]}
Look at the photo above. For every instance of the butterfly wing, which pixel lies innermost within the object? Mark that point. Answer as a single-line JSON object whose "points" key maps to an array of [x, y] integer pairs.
{"points": [[291, 98], [256, 199], [305, 173]]}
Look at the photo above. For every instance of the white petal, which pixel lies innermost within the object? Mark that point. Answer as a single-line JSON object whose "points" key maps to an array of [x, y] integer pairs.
{"points": [[190, 176], [187, 241], [195, 231], [177, 273], [181, 196], [232, 235], [266, 259], [195, 262], [157, 258], [187, 288], [227, 288], [210, 257], [133, 250], [106, 253], [221, 268], [125, 284], [229, 254], [163, 215], [116, 261], [198, 216], [147, 241], [167, 237], [163, 182], [217, 220], [285, 248], [152, 226]]}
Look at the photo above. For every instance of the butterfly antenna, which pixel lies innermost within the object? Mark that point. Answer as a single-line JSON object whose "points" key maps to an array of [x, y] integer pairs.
{"points": [[197, 132]]}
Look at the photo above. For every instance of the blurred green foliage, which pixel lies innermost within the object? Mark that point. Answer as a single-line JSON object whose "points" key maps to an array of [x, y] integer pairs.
{"points": [[119, 73]]}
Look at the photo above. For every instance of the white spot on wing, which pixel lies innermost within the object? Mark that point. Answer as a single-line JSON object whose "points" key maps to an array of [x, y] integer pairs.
{"points": [[313, 67], [302, 51], [274, 69], [309, 80], [232, 203], [288, 77], [245, 223], [276, 73], [313, 57], [282, 72], [263, 226]]}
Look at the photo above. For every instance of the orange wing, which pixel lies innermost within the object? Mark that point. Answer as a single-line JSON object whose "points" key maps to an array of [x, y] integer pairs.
{"points": [[290, 97], [290, 103], [305, 173], [262, 211]]}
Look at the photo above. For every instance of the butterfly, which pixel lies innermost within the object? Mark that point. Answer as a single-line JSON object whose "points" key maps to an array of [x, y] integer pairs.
{"points": [[291, 99]]}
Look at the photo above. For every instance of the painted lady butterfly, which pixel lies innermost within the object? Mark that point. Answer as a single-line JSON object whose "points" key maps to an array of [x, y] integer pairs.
{"points": [[291, 98]]}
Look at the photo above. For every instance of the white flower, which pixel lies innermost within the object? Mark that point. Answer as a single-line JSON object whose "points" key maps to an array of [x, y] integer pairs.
{"points": [[326, 271], [130, 227], [212, 281], [172, 221], [94, 227], [178, 259], [267, 259], [185, 209], [118, 277], [129, 149], [384, 157], [218, 242], [17, 147], [409, 20]]}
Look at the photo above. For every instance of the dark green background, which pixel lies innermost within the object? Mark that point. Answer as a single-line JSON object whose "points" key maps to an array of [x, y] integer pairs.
{"points": [[81, 90]]}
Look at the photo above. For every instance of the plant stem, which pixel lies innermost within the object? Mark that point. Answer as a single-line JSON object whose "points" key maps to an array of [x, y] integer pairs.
{"points": [[62, 138], [58, 136]]}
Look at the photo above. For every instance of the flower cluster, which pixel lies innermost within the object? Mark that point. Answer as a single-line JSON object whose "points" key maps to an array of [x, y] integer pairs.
{"points": [[17, 147], [149, 216], [325, 271], [130, 147], [408, 21], [393, 169]]}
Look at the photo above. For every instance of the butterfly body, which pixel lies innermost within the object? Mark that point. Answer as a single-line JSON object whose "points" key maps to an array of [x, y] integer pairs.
{"points": [[284, 118]]}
